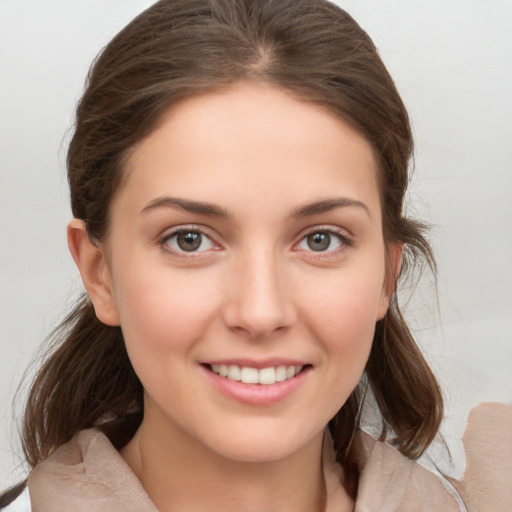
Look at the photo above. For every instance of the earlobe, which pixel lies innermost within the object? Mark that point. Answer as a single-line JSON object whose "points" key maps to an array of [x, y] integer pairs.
{"points": [[92, 264]]}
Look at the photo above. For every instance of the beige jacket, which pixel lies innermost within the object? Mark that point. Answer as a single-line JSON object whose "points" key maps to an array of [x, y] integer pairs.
{"points": [[88, 475]]}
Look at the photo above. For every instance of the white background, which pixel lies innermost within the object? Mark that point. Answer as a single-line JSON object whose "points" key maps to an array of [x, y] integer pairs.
{"points": [[452, 61]]}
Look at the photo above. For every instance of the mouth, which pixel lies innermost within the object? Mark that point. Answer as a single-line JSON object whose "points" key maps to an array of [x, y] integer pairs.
{"points": [[249, 375], [257, 383]]}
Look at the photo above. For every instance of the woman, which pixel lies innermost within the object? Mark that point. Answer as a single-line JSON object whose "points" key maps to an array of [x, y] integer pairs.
{"points": [[237, 177]]}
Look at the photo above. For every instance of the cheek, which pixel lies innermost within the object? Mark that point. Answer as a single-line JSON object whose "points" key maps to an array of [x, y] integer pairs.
{"points": [[163, 319], [341, 319], [343, 314], [164, 311], [347, 307]]}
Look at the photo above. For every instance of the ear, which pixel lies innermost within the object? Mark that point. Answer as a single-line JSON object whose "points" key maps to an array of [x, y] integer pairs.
{"points": [[92, 263], [393, 266]]}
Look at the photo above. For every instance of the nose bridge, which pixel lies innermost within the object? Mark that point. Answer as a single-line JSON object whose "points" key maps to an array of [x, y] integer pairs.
{"points": [[259, 301]]}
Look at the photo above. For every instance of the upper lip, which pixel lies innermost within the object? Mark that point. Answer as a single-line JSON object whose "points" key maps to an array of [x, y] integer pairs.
{"points": [[251, 363]]}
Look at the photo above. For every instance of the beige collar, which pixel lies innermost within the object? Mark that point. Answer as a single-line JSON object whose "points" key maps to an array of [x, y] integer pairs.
{"points": [[89, 475]]}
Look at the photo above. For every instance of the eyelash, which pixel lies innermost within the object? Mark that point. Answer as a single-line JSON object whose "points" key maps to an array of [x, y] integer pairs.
{"points": [[344, 241], [164, 242]]}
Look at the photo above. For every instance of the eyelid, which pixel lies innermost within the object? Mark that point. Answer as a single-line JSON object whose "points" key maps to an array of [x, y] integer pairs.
{"points": [[342, 234], [184, 228]]}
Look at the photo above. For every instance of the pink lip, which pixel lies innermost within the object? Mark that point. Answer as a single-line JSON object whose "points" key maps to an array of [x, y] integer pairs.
{"points": [[256, 394]]}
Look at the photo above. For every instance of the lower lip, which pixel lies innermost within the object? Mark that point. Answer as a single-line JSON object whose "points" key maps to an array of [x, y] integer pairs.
{"points": [[256, 394]]}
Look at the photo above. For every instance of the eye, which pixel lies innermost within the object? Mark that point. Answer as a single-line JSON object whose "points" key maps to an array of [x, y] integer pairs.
{"points": [[188, 241], [322, 241]]}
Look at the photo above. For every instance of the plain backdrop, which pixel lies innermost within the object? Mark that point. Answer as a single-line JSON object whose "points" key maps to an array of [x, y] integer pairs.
{"points": [[452, 62]]}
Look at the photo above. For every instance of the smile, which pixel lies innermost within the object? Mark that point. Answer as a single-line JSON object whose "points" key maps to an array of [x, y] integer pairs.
{"points": [[249, 375]]}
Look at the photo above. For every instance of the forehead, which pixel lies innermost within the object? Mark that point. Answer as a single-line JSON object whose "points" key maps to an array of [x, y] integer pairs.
{"points": [[249, 140]]}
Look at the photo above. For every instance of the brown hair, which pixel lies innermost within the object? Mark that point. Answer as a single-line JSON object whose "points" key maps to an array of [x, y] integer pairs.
{"points": [[179, 48]]}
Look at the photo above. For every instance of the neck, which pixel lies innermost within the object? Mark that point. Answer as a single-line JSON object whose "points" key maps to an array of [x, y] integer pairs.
{"points": [[180, 474]]}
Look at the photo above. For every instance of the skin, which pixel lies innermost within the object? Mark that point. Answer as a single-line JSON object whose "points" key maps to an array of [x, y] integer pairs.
{"points": [[255, 290]]}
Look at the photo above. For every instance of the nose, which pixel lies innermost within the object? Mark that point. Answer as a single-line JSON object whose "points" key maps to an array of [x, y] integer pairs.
{"points": [[259, 301]]}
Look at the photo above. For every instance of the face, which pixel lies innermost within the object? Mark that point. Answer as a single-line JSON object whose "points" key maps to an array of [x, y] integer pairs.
{"points": [[246, 243]]}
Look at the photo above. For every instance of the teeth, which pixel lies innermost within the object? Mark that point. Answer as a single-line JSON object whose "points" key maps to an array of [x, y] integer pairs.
{"points": [[248, 375], [267, 376], [234, 372], [280, 373]]}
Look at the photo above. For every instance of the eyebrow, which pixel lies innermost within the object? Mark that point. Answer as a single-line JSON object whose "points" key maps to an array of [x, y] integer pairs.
{"points": [[327, 205], [197, 207], [212, 210]]}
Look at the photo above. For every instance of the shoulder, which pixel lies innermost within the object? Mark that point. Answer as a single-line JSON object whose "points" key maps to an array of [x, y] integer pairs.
{"points": [[391, 481], [87, 474]]}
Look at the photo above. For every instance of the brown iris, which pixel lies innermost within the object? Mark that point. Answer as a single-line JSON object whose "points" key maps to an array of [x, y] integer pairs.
{"points": [[319, 241], [189, 241]]}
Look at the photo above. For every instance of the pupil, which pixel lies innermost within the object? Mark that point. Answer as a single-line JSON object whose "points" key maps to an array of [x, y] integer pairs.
{"points": [[189, 241], [319, 241]]}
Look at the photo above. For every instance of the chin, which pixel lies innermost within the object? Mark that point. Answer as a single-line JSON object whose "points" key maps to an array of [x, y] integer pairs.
{"points": [[264, 445]]}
